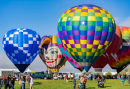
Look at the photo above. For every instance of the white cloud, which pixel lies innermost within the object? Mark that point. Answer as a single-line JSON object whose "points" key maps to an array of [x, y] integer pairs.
{"points": [[116, 20], [126, 22], [122, 21]]}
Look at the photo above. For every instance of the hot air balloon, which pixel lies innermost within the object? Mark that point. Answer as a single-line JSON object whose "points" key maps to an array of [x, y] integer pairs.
{"points": [[21, 47], [50, 53], [67, 55], [122, 58], [86, 32], [110, 54]]}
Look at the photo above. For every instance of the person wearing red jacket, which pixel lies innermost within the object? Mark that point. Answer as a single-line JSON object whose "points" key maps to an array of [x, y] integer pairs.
{"points": [[3, 81], [66, 77]]}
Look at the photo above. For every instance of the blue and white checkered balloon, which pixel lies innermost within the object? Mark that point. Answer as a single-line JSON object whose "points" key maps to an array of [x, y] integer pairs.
{"points": [[21, 46]]}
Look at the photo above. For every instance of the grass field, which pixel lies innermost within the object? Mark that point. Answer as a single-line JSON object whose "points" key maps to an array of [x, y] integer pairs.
{"points": [[61, 84]]}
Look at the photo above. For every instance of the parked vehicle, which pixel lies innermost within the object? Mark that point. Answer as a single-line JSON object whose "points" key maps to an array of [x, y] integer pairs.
{"points": [[41, 75], [59, 75], [69, 75], [55, 76]]}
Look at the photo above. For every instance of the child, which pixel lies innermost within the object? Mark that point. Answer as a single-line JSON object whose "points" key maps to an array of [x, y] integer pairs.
{"points": [[74, 82]]}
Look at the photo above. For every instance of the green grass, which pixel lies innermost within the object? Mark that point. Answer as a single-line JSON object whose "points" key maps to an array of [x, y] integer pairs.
{"points": [[61, 84]]}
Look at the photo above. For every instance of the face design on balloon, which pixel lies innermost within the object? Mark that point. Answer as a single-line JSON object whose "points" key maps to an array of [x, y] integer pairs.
{"points": [[52, 56]]}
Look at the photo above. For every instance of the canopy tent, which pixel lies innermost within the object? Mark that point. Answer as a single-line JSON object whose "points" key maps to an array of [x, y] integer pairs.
{"points": [[28, 70]]}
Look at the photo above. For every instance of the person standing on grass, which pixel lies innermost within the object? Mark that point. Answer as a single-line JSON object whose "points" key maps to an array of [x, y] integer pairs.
{"points": [[12, 83], [24, 78], [66, 77], [70, 76], [9, 79], [6, 82], [14, 79], [123, 80], [98, 79], [3, 81], [31, 82], [0, 82], [84, 80], [89, 76], [93, 77], [129, 79], [83, 86], [81, 77], [22, 82], [74, 82], [62, 76], [103, 80]]}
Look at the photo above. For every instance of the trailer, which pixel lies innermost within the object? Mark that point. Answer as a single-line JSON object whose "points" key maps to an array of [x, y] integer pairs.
{"points": [[7, 72]]}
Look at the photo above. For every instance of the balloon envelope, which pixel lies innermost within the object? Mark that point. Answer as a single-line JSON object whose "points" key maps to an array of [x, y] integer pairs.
{"points": [[21, 47], [67, 55], [123, 55], [110, 54], [86, 32], [50, 53]]}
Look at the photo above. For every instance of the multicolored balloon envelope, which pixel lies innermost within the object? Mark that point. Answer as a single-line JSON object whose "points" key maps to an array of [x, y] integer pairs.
{"points": [[21, 47], [86, 31], [123, 55], [50, 53], [110, 54], [67, 55]]}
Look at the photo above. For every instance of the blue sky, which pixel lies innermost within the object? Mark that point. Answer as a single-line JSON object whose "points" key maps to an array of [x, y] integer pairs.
{"points": [[42, 15]]}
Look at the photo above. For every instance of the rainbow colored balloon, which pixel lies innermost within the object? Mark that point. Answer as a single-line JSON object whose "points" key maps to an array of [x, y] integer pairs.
{"points": [[67, 55], [123, 55], [86, 32]]}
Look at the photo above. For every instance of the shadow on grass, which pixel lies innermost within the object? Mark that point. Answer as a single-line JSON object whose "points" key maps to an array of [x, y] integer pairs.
{"points": [[37, 83], [126, 85], [95, 88], [90, 88], [70, 81], [106, 86]]}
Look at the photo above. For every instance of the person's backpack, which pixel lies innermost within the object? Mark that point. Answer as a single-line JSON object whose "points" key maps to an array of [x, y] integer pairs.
{"points": [[29, 78], [85, 80]]}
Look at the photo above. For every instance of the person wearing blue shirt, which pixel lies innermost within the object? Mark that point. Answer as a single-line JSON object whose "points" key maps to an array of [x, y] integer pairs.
{"points": [[123, 80]]}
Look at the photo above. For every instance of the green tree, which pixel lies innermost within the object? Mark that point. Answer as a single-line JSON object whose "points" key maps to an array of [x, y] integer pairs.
{"points": [[108, 73], [50, 72]]}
